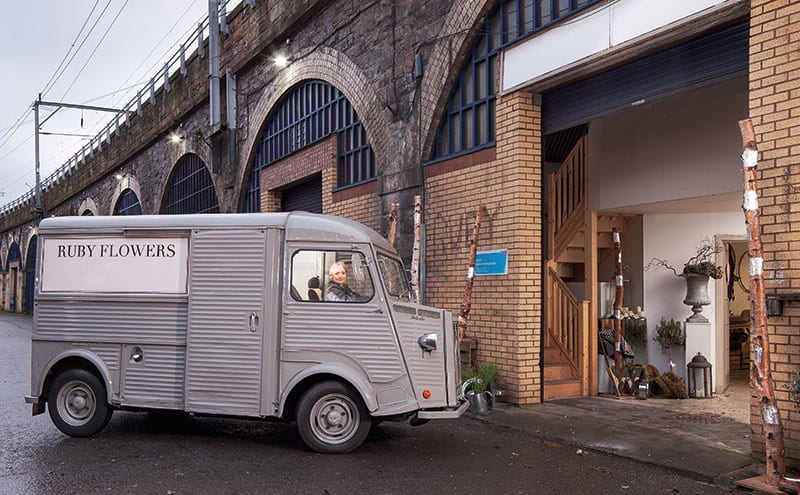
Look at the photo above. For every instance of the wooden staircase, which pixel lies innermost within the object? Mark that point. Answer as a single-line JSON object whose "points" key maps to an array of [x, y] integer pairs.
{"points": [[578, 241]]}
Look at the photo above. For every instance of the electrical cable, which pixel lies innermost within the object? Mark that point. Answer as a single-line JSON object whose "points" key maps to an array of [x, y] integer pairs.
{"points": [[54, 78], [99, 43]]}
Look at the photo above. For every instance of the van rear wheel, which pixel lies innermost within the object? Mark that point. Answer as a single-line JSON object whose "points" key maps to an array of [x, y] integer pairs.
{"points": [[332, 418], [77, 403]]}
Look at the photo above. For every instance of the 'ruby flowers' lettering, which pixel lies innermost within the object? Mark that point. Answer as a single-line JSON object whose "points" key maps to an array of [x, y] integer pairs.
{"points": [[131, 250]]}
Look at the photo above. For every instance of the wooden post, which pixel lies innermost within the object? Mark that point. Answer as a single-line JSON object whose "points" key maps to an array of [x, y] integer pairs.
{"points": [[415, 253], [392, 223], [618, 358], [466, 304], [760, 373]]}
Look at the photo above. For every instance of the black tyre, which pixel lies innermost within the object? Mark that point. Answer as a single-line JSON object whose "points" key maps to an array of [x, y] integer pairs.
{"points": [[332, 418], [77, 403]]}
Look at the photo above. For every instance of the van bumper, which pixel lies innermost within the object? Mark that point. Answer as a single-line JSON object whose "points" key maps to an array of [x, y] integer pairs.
{"points": [[38, 404], [450, 413]]}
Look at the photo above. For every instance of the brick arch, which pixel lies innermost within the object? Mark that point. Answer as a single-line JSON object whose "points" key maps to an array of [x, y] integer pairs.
{"points": [[337, 69], [444, 63], [126, 182], [170, 176], [26, 242], [88, 204]]}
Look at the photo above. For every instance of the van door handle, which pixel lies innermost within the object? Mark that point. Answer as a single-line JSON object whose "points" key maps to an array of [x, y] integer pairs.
{"points": [[253, 321], [377, 311]]}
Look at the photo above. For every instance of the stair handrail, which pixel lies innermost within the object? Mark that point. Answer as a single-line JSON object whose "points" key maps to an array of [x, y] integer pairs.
{"points": [[568, 187], [563, 304]]}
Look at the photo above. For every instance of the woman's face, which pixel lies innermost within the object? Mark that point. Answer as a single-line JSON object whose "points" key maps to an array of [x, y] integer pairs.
{"points": [[339, 275]]}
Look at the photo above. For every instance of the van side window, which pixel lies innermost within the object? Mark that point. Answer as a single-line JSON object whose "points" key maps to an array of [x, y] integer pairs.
{"points": [[330, 277]]}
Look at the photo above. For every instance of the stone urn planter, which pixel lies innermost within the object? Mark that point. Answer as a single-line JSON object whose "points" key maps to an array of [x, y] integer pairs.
{"points": [[696, 296]]}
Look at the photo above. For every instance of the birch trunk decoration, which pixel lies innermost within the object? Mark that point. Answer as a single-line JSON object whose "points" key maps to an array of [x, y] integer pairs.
{"points": [[618, 303], [392, 223], [760, 374], [417, 241], [466, 304]]}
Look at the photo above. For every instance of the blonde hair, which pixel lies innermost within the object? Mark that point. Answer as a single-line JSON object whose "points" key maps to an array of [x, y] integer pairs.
{"points": [[335, 266]]}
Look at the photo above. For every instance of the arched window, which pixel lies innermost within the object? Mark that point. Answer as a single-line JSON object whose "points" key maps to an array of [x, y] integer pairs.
{"points": [[87, 213], [30, 275], [128, 204], [190, 188], [313, 111], [468, 121], [14, 254]]}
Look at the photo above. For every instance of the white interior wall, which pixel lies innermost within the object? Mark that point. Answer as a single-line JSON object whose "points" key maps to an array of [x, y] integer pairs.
{"points": [[683, 147], [674, 238]]}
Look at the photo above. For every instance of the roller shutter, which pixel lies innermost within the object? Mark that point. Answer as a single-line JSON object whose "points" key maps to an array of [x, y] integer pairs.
{"points": [[306, 196], [702, 61]]}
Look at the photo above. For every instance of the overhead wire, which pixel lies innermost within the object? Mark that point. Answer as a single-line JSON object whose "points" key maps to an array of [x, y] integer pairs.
{"points": [[9, 132], [56, 75], [91, 55]]}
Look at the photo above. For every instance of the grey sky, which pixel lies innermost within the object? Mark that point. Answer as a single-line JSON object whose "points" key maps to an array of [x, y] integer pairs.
{"points": [[129, 43]]}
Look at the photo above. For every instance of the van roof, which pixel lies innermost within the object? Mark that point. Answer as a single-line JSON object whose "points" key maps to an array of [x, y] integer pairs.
{"points": [[300, 226]]}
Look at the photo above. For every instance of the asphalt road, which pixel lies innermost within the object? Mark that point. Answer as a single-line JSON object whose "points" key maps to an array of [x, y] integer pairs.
{"points": [[156, 453]]}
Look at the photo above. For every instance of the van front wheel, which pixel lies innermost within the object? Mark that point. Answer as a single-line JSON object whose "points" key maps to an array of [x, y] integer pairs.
{"points": [[77, 403], [332, 419]]}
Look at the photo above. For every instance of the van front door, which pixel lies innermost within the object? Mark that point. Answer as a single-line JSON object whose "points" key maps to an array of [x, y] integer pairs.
{"points": [[227, 293]]}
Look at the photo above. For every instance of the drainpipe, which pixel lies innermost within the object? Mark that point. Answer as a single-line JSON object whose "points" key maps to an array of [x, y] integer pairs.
{"points": [[213, 63]]}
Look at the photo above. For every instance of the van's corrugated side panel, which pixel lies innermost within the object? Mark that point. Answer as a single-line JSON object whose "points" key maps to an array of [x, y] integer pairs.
{"points": [[223, 363], [111, 321], [356, 330], [156, 381]]}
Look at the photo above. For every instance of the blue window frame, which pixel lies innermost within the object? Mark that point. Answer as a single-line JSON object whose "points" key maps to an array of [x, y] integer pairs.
{"points": [[128, 204], [311, 112], [468, 121], [190, 188]]}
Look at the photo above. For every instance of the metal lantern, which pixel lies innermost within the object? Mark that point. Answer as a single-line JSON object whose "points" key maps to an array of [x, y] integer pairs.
{"points": [[699, 378]]}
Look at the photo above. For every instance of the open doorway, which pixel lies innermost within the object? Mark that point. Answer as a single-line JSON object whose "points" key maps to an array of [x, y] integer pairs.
{"points": [[733, 309]]}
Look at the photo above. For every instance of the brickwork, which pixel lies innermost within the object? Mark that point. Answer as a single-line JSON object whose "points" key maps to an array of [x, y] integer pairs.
{"points": [[775, 111], [506, 310], [297, 166], [364, 208]]}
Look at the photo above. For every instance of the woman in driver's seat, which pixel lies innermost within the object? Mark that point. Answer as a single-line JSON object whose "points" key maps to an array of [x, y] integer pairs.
{"points": [[337, 289]]}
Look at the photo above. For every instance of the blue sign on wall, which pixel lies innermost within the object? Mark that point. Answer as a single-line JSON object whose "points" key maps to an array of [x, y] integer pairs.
{"points": [[491, 262]]}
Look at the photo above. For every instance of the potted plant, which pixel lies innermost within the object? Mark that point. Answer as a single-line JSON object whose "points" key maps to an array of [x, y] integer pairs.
{"points": [[669, 333], [696, 271], [475, 386]]}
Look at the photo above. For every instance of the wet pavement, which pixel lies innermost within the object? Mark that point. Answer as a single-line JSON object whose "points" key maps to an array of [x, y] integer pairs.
{"points": [[623, 446], [667, 433]]}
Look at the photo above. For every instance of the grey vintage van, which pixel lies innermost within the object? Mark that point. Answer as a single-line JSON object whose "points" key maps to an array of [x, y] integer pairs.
{"points": [[228, 315]]}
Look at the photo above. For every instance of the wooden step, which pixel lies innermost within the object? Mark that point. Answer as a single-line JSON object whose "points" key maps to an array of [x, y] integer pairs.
{"points": [[562, 388], [557, 371], [552, 355]]}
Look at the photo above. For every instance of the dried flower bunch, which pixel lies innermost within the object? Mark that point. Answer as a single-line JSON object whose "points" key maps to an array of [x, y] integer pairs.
{"points": [[701, 263]]}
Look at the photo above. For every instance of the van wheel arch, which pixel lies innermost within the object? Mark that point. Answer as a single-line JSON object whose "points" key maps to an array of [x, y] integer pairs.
{"points": [[70, 363], [289, 411]]}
